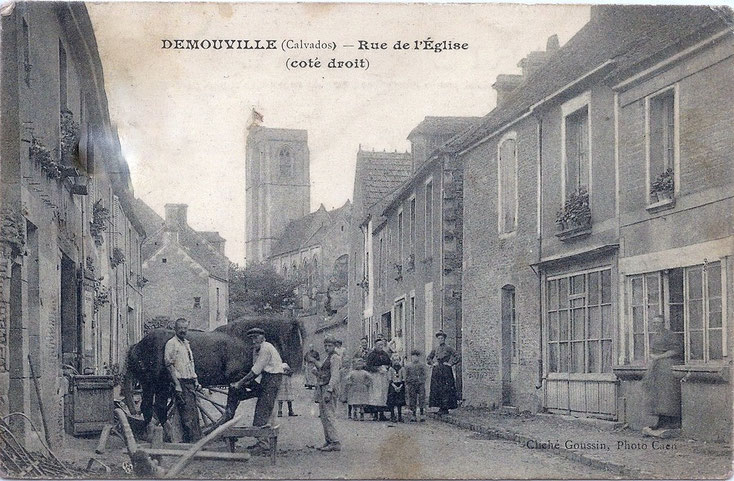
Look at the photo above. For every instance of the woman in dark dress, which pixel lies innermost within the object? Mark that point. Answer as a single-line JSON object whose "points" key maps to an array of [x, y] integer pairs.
{"points": [[443, 386], [377, 363], [661, 386]]}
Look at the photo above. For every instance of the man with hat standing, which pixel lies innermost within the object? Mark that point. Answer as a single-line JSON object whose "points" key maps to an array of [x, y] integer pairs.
{"points": [[328, 395], [269, 365], [443, 386]]}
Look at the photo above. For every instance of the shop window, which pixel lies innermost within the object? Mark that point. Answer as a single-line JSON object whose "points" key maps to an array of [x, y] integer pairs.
{"points": [[690, 299], [579, 322]]}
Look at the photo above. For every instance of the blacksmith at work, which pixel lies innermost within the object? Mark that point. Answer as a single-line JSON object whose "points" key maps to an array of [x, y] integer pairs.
{"points": [[269, 365], [179, 361], [328, 395]]}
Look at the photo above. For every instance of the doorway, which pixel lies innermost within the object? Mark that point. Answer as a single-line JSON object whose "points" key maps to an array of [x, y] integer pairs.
{"points": [[70, 328], [509, 344]]}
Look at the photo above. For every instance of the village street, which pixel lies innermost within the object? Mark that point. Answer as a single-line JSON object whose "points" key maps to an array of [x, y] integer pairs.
{"points": [[370, 450]]}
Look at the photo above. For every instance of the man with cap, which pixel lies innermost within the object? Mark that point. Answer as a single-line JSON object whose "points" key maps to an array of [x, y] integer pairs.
{"points": [[328, 395], [269, 365], [443, 386]]}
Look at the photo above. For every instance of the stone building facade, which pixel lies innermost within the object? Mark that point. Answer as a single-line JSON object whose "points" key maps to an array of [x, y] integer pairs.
{"points": [[70, 269], [186, 272], [277, 186], [417, 245], [377, 176], [591, 253]]}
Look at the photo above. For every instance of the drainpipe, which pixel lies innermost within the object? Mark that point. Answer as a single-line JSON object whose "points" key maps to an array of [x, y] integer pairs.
{"points": [[539, 383]]}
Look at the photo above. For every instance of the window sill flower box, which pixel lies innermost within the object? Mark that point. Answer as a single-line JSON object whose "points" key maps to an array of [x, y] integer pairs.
{"points": [[574, 217], [574, 231], [662, 204]]}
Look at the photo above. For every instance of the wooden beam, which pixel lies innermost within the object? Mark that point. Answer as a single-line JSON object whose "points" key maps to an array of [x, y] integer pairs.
{"points": [[188, 455], [211, 455]]}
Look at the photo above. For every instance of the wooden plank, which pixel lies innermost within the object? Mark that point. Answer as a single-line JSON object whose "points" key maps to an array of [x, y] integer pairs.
{"points": [[174, 446], [211, 455], [188, 455]]}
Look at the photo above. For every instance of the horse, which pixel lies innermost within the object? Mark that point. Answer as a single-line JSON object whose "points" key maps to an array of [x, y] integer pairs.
{"points": [[221, 356]]}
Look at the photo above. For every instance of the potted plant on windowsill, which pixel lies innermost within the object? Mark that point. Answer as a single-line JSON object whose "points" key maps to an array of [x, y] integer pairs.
{"points": [[574, 218], [662, 188]]}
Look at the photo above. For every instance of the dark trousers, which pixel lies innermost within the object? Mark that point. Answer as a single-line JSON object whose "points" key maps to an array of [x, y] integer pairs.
{"points": [[269, 385], [188, 410]]}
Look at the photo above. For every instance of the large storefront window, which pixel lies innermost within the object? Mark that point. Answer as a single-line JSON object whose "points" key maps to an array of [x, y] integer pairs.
{"points": [[579, 318], [690, 299]]}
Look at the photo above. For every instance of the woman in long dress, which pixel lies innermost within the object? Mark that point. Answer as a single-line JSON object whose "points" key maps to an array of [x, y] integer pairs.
{"points": [[377, 364], [443, 386], [308, 372], [661, 386]]}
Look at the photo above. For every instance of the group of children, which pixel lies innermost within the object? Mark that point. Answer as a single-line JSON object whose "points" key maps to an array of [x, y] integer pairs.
{"points": [[407, 384]]}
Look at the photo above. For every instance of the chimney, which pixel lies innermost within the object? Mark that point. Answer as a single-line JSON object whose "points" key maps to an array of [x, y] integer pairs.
{"points": [[505, 85], [175, 216], [535, 60]]}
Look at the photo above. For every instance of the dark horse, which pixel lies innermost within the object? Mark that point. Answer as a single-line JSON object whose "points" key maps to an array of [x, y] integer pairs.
{"points": [[221, 357]]}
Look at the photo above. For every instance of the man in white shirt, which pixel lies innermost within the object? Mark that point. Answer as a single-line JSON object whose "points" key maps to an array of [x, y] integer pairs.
{"points": [[269, 365], [179, 361]]}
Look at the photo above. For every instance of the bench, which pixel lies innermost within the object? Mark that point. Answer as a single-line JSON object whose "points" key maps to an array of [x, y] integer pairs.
{"points": [[271, 432]]}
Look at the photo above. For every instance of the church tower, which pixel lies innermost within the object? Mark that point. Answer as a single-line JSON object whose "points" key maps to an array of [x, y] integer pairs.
{"points": [[277, 186]]}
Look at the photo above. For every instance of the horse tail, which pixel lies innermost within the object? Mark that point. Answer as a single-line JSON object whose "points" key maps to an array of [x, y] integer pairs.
{"points": [[128, 378]]}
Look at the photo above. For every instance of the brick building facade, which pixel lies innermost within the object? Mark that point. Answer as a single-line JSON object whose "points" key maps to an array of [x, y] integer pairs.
{"points": [[590, 253], [70, 269]]}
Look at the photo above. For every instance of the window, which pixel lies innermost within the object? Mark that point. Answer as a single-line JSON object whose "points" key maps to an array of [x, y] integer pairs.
{"points": [[690, 299], [579, 322], [285, 162], [197, 302], [507, 188], [399, 316], [380, 262], [218, 313], [412, 330], [26, 53], [62, 77], [509, 319], [576, 149], [661, 127], [429, 220], [164, 260], [412, 227], [400, 237]]}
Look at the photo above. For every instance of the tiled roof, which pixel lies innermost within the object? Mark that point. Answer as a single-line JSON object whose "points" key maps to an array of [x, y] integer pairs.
{"points": [[443, 125], [306, 231], [380, 173], [194, 243], [630, 36]]}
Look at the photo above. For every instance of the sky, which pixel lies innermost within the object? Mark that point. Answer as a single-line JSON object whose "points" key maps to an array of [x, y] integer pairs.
{"points": [[182, 114]]}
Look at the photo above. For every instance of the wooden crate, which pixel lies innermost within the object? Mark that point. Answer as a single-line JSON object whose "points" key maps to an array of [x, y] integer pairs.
{"points": [[90, 404]]}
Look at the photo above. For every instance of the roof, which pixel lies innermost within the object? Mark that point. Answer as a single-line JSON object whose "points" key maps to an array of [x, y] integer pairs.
{"points": [[212, 236], [380, 173], [307, 230], [151, 221], [632, 37], [194, 243], [442, 125]]}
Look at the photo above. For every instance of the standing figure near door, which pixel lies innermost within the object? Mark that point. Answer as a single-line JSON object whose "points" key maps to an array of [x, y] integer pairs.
{"points": [[443, 386]]}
